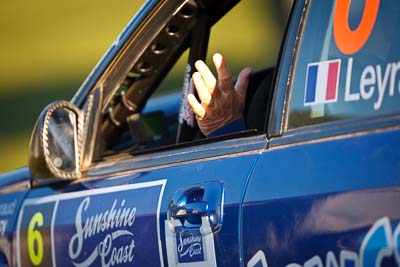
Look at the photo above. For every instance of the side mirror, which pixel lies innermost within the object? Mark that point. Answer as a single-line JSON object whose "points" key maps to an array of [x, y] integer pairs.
{"points": [[56, 143]]}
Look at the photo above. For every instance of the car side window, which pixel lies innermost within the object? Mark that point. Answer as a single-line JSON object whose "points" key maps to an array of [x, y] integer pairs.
{"points": [[153, 122], [348, 62]]}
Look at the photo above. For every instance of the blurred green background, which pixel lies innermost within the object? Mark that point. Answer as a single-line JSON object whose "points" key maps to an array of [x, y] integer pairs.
{"points": [[48, 47]]}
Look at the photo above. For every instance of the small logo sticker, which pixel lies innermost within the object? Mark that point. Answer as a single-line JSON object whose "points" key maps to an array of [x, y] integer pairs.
{"points": [[322, 82], [189, 245]]}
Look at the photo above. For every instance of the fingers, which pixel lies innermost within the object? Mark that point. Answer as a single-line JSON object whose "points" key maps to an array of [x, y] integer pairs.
{"points": [[207, 75], [242, 82], [197, 108], [224, 75], [201, 88]]}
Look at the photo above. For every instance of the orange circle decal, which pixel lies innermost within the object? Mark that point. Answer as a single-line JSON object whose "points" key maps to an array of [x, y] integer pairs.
{"points": [[351, 41]]}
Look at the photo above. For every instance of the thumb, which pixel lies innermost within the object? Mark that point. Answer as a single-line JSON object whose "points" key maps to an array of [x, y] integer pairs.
{"points": [[242, 82]]}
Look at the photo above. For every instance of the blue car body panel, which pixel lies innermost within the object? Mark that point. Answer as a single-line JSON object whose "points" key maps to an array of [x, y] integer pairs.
{"points": [[324, 196], [18, 176]]}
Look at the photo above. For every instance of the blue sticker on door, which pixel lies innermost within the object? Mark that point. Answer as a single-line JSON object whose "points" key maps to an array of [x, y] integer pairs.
{"points": [[117, 226], [189, 244]]}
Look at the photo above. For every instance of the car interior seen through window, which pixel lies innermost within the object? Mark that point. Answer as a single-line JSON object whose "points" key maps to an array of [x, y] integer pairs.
{"points": [[150, 110]]}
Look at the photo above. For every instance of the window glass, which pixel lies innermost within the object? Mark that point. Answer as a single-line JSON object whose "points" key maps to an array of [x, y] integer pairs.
{"points": [[172, 83], [158, 122], [348, 64], [250, 34], [257, 30]]}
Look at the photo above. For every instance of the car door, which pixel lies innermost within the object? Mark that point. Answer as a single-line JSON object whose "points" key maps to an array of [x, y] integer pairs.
{"points": [[326, 190], [184, 213], [134, 197]]}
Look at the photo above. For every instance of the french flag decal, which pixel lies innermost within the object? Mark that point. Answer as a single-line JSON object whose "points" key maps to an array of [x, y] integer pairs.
{"points": [[322, 82]]}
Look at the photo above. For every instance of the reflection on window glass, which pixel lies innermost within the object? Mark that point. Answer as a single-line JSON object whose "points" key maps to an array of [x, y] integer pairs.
{"points": [[334, 78], [62, 139]]}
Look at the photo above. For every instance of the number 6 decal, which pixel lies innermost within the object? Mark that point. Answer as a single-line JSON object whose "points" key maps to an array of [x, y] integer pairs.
{"points": [[34, 235], [35, 239]]}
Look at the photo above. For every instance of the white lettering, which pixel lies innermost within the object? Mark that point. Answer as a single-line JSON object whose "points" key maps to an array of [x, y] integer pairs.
{"points": [[348, 257], [381, 84], [192, 244], [348, 96], [78, 236], [373, 81], [7, 208], [313, 262], [109, 220], [368, 79], [331, 260], [111, 256], [395, 69]]}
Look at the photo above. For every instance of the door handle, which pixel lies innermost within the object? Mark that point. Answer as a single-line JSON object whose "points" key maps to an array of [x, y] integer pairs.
{"points": [[194, 205], [191, 209]]}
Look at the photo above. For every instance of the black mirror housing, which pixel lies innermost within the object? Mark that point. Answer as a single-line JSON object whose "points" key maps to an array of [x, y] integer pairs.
{"points": [[56, 143]]}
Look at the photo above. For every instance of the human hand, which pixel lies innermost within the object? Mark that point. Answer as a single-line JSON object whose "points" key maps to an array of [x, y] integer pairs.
{"points": [[222, 102]]}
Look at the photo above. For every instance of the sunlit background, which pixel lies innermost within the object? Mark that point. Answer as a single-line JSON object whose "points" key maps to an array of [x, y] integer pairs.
{"points": [[47, 49]]}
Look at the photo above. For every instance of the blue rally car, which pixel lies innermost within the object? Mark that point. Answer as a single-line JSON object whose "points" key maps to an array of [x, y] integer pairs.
{"points": [[121, 177]]}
